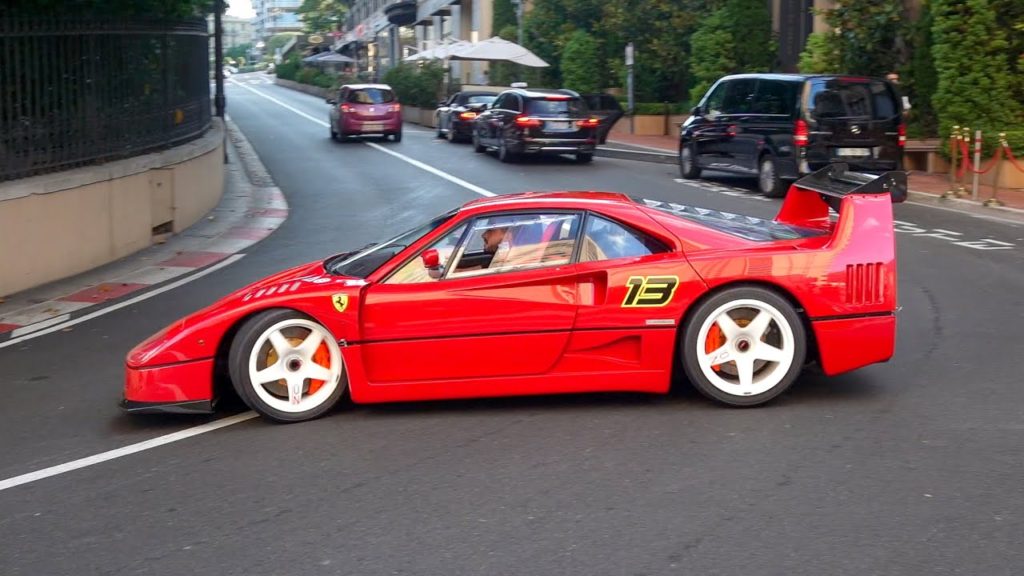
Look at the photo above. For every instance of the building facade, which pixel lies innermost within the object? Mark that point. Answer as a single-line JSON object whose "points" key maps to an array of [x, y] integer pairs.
{"points": [[236, 31], [276, 16], [380, 43]]}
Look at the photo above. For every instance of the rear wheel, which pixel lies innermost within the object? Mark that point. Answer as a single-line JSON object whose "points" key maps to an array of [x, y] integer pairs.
{"points": [[585, 157], [744, 346], [768, 180], [397, 136], [688, 163], [286, 366], [334, 133], [451, 135]]}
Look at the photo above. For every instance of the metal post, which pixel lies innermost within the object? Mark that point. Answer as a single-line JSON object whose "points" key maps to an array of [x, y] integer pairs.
{"points": [[953, 147], [994, 200], [965, 136], [218, 59], [977, 164], [629, 84]]}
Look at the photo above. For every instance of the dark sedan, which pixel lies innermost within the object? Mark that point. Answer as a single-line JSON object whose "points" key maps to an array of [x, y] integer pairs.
{"points": [[454, 117], [533, 121]]}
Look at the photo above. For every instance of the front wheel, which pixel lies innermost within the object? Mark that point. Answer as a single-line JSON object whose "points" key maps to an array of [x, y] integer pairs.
{"points": [[768, 180], [744, 346], [286, 366], [477, 146], [688, 164], [504, 154]]}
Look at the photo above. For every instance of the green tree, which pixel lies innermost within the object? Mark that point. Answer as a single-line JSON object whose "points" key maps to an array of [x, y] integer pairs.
{"points": [[547, 27], [867, 35], [820, 55], [714, 51], [1011, 12], [919, 80], [505, 73], [240, 51], [504, 15], [319, 16], [974, 78], [750, 22], [108, 8], [580, 63]]}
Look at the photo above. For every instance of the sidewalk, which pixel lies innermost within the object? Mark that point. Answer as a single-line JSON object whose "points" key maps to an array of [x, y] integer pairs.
{"points": [[932, 186], [251, 208]]}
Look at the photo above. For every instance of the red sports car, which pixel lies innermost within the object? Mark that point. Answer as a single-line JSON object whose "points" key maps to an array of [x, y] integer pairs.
{"points": [[545, 293]]}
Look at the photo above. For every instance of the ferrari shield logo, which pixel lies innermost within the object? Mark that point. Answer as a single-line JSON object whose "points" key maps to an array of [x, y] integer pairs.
{"points": [[340, 302]]}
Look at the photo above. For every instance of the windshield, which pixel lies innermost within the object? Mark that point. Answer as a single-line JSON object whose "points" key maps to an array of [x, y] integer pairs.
{"points": [[480, 98], [364, 262], [834, 98], [556, 107]]}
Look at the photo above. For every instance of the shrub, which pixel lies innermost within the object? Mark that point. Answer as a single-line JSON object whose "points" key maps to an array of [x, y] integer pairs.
{"points": [[713, 52], [580, 63], [819, 55]]}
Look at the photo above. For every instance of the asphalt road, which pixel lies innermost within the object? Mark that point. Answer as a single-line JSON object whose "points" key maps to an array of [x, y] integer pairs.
{"points": [[910, 467]]}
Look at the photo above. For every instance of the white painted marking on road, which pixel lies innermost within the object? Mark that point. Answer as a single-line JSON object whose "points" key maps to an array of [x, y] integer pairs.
{"points": [[453, 179], [39, 325], [226, 262], [125, 450]]}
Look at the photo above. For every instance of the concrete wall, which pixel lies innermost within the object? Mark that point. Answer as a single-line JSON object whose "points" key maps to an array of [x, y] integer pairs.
{"points": [[58, 225]]}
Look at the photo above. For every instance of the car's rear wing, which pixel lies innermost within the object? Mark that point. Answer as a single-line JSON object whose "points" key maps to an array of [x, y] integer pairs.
{"points": [[809, 198]]}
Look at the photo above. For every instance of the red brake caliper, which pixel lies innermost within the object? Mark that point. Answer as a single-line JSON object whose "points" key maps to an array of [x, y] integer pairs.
{"points": [[714, 341], [322, 356]]}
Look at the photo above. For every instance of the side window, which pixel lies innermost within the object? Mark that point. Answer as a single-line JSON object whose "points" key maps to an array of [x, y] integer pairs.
{"points": [[739, 98], [604, 239], [501, 103], [415, 270], [713, 104], [774, 97], [517, 241]]}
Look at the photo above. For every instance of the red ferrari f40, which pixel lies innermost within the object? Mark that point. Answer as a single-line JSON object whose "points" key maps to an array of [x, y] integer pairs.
{"points": [[550, 293]]}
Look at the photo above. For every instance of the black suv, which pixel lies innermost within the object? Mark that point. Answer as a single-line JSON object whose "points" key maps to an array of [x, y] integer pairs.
{"points": [[782, 126], [533, 121]]}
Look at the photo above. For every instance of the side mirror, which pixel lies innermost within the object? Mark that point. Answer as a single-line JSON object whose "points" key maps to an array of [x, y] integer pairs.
{"points": [[442, 104], [331, 101], [431, 259]]}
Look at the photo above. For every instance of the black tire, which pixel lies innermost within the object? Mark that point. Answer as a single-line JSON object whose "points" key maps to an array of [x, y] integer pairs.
{"points": [[504, 154], [768, 181], [334, 133], [477, 146], [239, 356], [724, 384], [451, 136], [585, 157], [397, 136], [688, 168], [437, 121]]}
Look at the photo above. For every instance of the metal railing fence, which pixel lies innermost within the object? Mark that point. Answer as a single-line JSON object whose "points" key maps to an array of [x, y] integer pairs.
{"points": [[78, 91]]}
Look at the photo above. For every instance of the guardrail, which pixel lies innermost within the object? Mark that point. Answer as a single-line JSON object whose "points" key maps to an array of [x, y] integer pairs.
{"points": [[78, 91]]}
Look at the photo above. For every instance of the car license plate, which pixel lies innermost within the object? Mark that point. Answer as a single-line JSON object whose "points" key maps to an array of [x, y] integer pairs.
{"points": [[553, 125], [856, 152], [374, 127]]}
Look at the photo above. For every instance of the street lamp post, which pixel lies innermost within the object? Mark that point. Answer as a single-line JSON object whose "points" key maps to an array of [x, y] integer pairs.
{"points": [[218, 58]]}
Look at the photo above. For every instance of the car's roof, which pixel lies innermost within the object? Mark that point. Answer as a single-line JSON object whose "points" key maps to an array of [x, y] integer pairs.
{"points": [[362, 86], [795, 77], [567, 199], [542, 92]]}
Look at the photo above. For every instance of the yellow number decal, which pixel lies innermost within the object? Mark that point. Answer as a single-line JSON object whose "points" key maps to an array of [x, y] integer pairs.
{"points": [[650, 291]]}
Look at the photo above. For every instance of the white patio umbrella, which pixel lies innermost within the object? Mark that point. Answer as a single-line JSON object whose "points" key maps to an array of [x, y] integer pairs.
{"points": [[439, 52], [327, 57], [498, 49]]}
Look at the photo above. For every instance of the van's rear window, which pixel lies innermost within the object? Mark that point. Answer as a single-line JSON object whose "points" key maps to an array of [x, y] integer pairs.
{"points": [[846, 98]]}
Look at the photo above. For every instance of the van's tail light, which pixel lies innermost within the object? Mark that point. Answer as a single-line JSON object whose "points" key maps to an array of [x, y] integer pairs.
{"points": [[527, 122], [467, 115], [800, 133], [589, 123], [395, 108], [345, 108], [902, 131]]}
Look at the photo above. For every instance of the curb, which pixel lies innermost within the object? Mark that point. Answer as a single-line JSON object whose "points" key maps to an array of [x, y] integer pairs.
{"points": [[250, 209], [636, 155]]}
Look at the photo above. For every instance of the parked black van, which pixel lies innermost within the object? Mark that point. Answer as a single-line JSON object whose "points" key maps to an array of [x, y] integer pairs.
{"points": [[782, 126]]}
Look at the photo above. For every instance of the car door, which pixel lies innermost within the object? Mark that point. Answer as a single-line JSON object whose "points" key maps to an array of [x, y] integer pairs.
{"points": [[606, 109], [736, 110], [768, 115], [708, 128], [479, 313]]}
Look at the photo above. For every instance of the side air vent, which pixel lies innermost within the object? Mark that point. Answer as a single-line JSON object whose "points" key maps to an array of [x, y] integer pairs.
{"points": [[864, 283]]}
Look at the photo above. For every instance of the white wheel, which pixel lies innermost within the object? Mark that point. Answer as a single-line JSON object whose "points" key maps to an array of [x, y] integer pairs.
{"points": [[744, 346], [286, 366]]}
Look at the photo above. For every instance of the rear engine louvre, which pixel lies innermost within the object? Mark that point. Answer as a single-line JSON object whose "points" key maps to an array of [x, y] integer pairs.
{"points": [[864, 284]]}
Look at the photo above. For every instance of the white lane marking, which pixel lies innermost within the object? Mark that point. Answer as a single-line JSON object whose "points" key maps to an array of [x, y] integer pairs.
{"points": [[434, 171], [226, 262], [125, 450], [950, 236], [39, 325], [453, 179]]}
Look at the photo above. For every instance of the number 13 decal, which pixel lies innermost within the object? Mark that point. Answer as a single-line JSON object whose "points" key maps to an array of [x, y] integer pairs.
{"points": [[650, 291]]}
